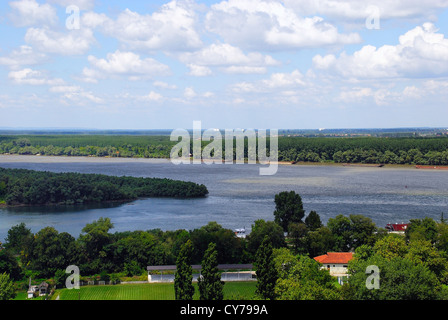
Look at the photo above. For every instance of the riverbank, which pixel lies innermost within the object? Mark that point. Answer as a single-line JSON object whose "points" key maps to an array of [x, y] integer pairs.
{"points": [[67, 159]]}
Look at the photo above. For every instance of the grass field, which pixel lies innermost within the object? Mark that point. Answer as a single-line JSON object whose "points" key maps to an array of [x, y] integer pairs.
{"points": [[153, 291]]}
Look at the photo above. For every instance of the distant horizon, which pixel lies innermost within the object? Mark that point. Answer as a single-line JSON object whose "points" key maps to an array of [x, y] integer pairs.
{"points": [[170, 129]]}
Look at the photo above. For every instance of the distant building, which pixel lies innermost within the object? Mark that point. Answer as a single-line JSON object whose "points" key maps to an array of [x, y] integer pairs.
{"points": [[39, 290], [397, 227], [336, 263]]}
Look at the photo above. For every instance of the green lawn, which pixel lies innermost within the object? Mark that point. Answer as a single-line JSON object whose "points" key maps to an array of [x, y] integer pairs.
{"points": [[154, 291]]}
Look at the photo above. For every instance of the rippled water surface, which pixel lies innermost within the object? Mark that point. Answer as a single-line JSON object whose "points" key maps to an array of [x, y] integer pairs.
{"points": [[238, 194]]}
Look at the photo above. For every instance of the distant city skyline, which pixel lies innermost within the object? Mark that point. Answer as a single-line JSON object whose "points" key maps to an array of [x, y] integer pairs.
{"points": [[291, 64]]}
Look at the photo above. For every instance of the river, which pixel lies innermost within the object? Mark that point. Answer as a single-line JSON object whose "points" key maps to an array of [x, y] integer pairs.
{"points": [[238, 194]]}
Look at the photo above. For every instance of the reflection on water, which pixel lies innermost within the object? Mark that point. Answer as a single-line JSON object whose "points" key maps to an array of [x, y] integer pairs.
{"points": [[239, 196]]}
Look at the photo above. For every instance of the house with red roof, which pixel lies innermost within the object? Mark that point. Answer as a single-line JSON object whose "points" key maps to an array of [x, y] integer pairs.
{"points": [[336, 263]]}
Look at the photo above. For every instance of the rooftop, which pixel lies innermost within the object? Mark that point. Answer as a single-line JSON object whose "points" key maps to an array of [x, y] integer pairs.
{"points": [[335, 257]]}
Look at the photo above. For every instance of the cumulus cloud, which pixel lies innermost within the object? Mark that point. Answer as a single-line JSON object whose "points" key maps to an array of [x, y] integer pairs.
{"points": [[164, 85], [229, 58], [70, 42], [199, 71], [277, 81], [81, 4], [420, 52], [27, 13], [24, 56], [271, 25], [359, 10], [75, 94], [32, 77], [173, 27], [126, 64]]}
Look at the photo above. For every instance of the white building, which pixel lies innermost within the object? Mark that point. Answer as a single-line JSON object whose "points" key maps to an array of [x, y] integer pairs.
{"points": [[336, 263]]}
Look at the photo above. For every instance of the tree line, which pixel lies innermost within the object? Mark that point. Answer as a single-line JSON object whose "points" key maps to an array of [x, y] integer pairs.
{"points": [[369, 150], [28, 187], [412, 266]]}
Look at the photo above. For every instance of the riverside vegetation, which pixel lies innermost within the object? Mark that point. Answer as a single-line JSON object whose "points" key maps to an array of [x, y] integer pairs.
{"points": [[413, 266], [369, 150], [28, 187]]}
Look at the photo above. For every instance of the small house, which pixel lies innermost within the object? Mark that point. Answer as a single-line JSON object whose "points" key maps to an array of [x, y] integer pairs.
{"points": [[37, 290], [336, 263], [43, 289]]}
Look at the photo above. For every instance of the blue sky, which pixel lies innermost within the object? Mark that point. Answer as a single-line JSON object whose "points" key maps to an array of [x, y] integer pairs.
{"points": [[230, 64]]}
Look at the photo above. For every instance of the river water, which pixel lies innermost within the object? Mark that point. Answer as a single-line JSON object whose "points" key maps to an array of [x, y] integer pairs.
{"points": [[238, 194]]}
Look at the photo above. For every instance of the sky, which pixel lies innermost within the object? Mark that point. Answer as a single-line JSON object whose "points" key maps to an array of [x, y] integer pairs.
{"points": [[259, 64]]}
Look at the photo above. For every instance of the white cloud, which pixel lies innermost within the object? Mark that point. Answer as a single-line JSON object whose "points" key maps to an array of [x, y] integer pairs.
{"points": [[152, 96], [229, 58], [75, 94], [421, 52], [270, 25], [355, 94], [164, 85], [32, 77], [170, 28], [285, 80], [65, 89], [189, 93], [244, 70], [356, 10], [27, 13], [124, 64], [71, 42], [277, 81], [24, 56], [81, 4], [199, 71]]}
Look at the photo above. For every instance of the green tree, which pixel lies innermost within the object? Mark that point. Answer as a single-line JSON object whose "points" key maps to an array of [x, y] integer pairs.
{"points": [[229, 246], [183, 286], [210, 284], [391, 246], [320, 241], [95, 238], [17, 236], [340, 226], [313, 221], [288, 209], [363, 230], [297, 233], [9, 264], [59, 278], [262, 229], [303, 278], [423, 252], [50, 251], [363, 252], [399, 279], [442, 237], [7, 291], [266, 271], [422, 229]]}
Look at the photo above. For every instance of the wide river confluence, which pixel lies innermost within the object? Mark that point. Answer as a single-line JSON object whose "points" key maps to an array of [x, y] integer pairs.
{"points": [[238, 194]]}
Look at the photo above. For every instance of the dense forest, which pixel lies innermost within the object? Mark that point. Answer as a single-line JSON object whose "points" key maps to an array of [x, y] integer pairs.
{"points": [[388, 150], [27, 187]]}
